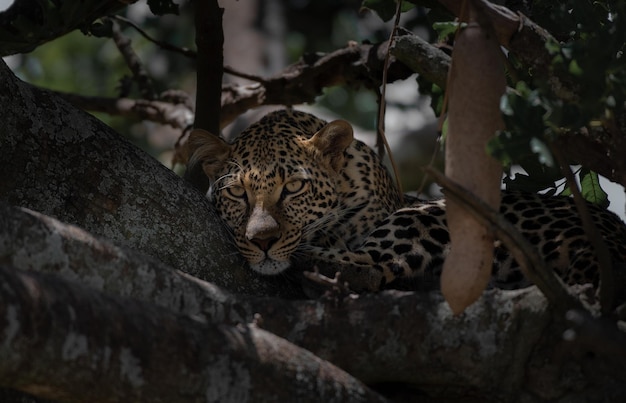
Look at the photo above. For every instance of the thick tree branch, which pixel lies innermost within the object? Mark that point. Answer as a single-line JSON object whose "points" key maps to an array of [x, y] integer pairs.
{"points": [[138, 352], [28, 24], [32, 241], [302, 82], [502, 327], [599, 149], [425, 59]]}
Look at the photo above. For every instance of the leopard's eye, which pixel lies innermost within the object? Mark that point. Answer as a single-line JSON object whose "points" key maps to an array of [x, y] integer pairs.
{"points": [[236, 191], [294, 187]]}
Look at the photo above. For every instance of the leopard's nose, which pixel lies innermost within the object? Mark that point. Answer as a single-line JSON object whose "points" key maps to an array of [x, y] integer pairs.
{"points": [[262, 229], [266, 243]]}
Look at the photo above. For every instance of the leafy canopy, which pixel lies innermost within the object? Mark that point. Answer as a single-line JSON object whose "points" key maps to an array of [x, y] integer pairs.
{"points": [[589, 63]]}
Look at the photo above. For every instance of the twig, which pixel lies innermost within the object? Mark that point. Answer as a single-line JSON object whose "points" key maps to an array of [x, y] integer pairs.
{"points": [[607, 279], [191, 54], [334, 283], [134, 63], [162, 44], [524, 253], [381, 104], [176, 114], [251, 77], [298, 83]]}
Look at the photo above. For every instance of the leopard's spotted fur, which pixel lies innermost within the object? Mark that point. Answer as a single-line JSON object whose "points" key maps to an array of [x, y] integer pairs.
{"points": [[292, 186]]}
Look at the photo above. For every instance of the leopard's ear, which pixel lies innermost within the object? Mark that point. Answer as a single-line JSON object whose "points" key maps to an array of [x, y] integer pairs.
{"points": [[332, 140], [209, 150]]}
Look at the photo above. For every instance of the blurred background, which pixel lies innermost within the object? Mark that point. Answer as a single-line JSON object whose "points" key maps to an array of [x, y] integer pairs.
{"points": [[261, 37]]}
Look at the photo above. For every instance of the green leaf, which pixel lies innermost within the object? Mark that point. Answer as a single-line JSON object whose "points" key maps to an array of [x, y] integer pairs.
{"points": [[445, 29], [575, 69], [386, 9], [591, 189], [566, 192]]}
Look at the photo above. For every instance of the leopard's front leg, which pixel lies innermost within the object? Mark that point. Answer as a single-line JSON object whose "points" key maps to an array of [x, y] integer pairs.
{"points": [[411, 242], [356, 268]]}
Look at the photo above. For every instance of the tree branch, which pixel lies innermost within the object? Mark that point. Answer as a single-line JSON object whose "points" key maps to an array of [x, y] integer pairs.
{"points": [[303, 81], [162, 44], [210, 68], [28, 24], [32, 241], [423, 58], [139, 352], [210, 61], [599, 150], [176, 114], [608, 285], [123, 43], [405, 350], [299, 83]]}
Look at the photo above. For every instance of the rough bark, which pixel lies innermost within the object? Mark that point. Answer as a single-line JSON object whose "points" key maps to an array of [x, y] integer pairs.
{"points": [[399, 338], [423, 58], [32, 241], [64, 163], [105, 349], [28, 24]]}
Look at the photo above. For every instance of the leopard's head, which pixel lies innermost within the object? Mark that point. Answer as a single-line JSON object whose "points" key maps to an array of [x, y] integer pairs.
{"points": [[275, 185]]}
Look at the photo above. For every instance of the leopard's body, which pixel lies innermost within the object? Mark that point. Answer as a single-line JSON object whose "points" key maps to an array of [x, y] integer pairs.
{"points": [[293, 186]]}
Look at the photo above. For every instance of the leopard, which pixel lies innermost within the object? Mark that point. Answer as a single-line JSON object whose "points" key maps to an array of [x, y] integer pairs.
{"points": [[294, 188]]}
